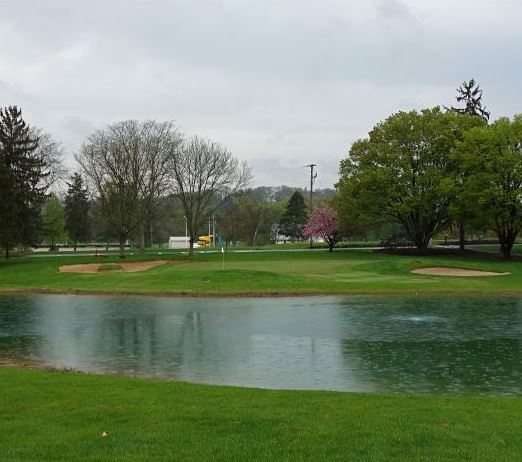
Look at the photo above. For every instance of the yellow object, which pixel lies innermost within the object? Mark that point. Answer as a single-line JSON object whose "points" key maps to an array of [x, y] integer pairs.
{"points": [[205, 241]]}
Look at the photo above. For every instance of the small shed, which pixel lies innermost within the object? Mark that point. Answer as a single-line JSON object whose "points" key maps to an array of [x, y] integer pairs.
{"points": [[179, 242]]}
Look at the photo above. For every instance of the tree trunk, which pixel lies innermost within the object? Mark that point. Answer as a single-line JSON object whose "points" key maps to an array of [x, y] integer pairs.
{"points": [[462, 237], [505, 248], [421, 243], [6, 251], [330, 246], [74, 245], [142, 238], [191, 246], [122, 247]]}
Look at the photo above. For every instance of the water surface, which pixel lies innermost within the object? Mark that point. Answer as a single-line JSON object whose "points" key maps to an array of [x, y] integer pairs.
{"points": [[399, 344]]}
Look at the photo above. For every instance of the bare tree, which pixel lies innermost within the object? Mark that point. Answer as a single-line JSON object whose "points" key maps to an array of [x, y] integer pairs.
{"points": [[204, 175], [125, 166], [51, 154], [160, 141]]}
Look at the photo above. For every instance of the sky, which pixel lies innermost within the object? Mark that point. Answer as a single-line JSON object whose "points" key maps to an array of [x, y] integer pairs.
{"points": [[280, 83]]}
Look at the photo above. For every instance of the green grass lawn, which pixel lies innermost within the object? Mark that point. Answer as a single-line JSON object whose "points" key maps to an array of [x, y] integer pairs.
{"points": [[50, 416], [264, 273]]}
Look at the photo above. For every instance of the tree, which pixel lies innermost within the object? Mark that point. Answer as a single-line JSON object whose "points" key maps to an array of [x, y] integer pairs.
{"points": [[323, 223], [470, 94], [53, 221], [294, 217], [77, 213], [254, 213], [404, 171], [126, 165], [28, 161], [204, 175], [492, 160]]}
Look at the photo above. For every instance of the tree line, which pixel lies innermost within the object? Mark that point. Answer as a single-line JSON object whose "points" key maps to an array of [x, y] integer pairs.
{"points": [[425, 171], [132, 176]]}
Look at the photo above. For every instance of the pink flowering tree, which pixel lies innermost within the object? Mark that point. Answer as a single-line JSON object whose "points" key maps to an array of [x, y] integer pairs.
{"points": [[323, 223]]}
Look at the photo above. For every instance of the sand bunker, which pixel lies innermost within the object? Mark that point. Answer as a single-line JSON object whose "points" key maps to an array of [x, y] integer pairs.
{"points": [[446, 271], [125, 267]]}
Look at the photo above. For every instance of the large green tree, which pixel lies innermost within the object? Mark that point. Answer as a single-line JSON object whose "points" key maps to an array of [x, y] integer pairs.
{"points": [[294, 218], [28, 159], [404, 172], [492, 160], [77, 213]]}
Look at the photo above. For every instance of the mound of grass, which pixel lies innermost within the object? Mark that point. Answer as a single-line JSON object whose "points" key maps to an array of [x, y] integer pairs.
{"points": [[109, 267]]}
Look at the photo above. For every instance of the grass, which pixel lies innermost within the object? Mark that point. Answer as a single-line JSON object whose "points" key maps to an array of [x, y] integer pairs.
{"points": [[300, 272], [50, 416], [60, 416]]}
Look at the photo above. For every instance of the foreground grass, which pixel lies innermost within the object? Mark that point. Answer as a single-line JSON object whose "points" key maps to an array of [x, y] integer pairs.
{"points": [[266, 273], [50, 416]]}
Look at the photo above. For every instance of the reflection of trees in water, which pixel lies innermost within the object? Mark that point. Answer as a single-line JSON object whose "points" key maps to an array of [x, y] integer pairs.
{"points": [[149, 343], [17, 327]]}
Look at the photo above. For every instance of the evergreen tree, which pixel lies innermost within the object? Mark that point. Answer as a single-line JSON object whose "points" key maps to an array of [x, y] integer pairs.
{"points": [[77, 210], [294, 218], [470, 94], [22, 170]]}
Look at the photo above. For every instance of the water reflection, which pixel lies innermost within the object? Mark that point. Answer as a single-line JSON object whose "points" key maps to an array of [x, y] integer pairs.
{"points": [[342, 343]]}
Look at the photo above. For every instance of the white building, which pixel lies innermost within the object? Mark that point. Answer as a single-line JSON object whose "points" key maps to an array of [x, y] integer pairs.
{"points": [[179, 242]]}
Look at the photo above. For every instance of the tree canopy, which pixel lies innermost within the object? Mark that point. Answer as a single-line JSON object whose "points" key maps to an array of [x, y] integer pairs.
{"points": [[492, 160], [28, 159], [77, 210], [294, 217], [404, 171], [126, 165], [205, 174], [53, 221], [324, 223]]}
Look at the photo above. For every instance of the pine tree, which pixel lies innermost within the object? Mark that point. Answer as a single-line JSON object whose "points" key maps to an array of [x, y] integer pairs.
{"points": [[470, 94], [77, 210], [21, 173], [294, 218]]}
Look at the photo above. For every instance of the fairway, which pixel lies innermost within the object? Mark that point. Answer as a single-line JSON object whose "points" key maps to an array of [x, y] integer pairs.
{"points": [[263, 273]]}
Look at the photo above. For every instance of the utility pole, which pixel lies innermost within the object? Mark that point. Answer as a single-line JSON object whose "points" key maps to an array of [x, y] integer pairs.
{"points": [[312, 178]]}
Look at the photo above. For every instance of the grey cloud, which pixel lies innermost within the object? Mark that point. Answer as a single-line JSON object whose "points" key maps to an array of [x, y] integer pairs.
{"points": [[294, 81]]}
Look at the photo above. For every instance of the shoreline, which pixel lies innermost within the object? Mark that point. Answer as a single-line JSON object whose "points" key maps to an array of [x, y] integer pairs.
{"points": [[269, 294], [17, 363]]}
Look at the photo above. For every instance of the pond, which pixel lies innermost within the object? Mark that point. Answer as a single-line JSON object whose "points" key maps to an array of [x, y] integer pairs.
{"points": [[364, 344]]}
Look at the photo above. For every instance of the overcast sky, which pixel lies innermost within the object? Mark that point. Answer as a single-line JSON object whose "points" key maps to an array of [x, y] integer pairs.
{"points": [[280, 83]]}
